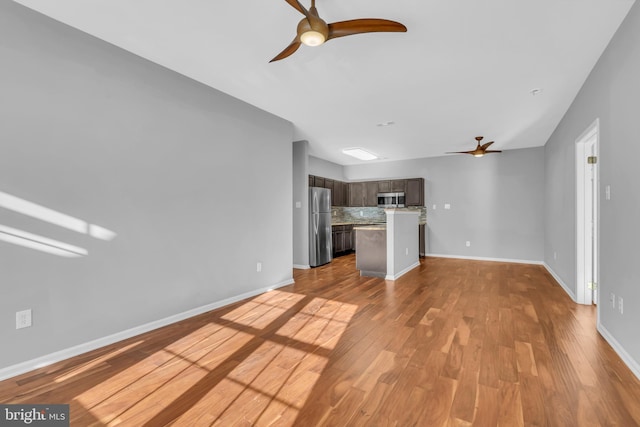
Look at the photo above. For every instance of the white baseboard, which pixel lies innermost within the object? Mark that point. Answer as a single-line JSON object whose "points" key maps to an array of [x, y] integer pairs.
{"points": [[479, 258], [301, 266], [402, 273], [39, 362], [631, 363], [563, 285]]}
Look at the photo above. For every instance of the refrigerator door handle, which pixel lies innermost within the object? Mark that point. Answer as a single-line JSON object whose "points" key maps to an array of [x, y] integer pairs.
{"points": [[315, 202], [316, 223]]}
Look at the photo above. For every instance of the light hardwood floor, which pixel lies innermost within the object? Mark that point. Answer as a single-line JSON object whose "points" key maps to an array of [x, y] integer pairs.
{"points": [[452, 343]]}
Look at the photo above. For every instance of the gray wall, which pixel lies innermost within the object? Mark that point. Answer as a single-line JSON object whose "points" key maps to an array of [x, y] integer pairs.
{"points": [[301, 198], [612, 94], [496, 201], [175, 168], [325, 168]]}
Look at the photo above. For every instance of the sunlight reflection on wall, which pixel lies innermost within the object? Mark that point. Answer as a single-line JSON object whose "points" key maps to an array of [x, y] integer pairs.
{"points": [[45, 244]]}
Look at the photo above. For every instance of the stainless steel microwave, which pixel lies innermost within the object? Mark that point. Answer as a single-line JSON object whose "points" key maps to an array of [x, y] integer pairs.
{"points": [[391, 200]]}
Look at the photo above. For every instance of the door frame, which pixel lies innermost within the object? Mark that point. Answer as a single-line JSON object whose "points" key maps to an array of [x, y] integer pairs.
{"points": [[584, 295]]}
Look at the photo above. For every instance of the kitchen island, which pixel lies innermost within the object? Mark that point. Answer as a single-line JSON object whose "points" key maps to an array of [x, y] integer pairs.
{"points": [[389, 250], [371, 250]]}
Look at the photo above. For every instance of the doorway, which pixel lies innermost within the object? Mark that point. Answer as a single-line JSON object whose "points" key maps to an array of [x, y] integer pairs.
{"points": [[587, 209]]}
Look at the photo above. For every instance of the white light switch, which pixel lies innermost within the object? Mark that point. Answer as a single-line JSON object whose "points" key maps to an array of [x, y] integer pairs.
{"points": [[607, 192], [447, 206], [434, 207], [298, 205]]}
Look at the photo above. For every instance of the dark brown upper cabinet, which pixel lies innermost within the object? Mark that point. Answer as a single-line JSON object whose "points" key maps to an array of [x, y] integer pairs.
{"points": [[392, 186], [399, 186], [414, 196], [371, 193], [337, 195], [338, 189], [356, 194], [384, 186], [363, 194]]}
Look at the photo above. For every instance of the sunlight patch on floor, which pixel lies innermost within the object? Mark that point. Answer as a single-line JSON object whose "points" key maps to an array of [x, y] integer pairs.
{"points": [[165, 372], [228, 368]]}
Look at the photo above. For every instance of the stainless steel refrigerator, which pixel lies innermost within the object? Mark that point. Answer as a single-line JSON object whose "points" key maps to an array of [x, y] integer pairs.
{"points": [[319, 226]]}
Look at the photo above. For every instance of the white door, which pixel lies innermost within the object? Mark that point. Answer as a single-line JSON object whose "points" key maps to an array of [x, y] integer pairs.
{"points": [[591, 235], [587, 215]]}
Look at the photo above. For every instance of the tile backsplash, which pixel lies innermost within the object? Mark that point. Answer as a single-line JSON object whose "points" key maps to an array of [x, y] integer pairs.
{"points": [[367, 215]]}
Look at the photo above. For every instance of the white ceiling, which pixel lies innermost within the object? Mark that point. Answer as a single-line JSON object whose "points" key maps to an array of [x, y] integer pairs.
{"points": [[464, 67]]}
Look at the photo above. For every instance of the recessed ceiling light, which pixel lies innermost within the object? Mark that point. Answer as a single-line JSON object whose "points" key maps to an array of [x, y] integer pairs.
{"points": [[383, 124], [536, 91], [359, 153]]}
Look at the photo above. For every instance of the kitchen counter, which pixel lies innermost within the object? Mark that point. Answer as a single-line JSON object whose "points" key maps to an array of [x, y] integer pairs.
{"points": [[355, 223], [371, 227], [365, 223]]}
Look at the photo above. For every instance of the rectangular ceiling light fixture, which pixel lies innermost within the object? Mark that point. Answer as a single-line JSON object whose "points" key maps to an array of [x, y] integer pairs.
{"points": [[359, 153]]}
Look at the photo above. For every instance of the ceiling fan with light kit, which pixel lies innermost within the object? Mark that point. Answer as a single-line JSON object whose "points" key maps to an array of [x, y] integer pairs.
{"points": [[314, 31], [480, 150]]}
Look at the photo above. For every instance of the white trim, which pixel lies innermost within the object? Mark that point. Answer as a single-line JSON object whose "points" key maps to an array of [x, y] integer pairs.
{"points": [[479, 258], [583, 294], [631, 363], [402, 273], [563, 285], [301, 266], [39, 362]]}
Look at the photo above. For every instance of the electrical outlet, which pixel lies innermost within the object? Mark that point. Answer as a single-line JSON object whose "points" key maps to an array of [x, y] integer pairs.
{"points": [[23, 319], [620, 306], [612, 300], [361, 213], [555, 256], [434, 207], [468, 243], [259, 267]]}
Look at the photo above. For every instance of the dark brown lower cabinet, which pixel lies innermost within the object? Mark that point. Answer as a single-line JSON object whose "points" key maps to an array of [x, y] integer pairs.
{"points": [[342, 239]]}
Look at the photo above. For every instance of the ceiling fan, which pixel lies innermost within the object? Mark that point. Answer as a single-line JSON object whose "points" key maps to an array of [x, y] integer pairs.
{"points": [[480, 150], [314, 31]]}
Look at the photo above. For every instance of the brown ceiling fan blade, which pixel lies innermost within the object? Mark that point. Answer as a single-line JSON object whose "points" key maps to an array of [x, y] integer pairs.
{"points": [[460, 152], [493, 151], [359, 26], [289, 50], [485, 146], [299, 7]]}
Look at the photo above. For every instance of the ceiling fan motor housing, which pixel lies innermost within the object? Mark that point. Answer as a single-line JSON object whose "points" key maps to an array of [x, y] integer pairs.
{"points": [[313, 24]]}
